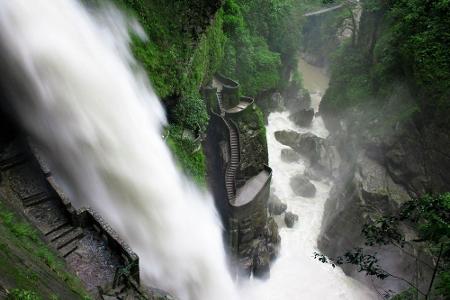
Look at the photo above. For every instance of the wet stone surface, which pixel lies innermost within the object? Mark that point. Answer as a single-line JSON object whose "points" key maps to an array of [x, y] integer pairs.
{"points": [[93, 261]]}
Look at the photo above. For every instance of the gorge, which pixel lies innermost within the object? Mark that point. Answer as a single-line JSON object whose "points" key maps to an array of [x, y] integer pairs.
{"points": [[226, 149]]}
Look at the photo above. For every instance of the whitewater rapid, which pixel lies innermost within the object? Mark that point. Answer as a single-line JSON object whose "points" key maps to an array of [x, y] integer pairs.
{"points": [[77, 90], [296, 274]]}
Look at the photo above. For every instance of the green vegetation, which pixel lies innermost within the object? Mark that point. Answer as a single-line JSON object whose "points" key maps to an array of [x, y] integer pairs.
{"points": [[25, 258], [253, 41], [191, 113], [178, 61], [19, 294], [430, 217], [263, 37], [188, 153], [402, 42]]}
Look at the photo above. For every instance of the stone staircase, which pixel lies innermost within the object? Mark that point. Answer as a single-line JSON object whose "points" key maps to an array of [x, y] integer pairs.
{"points": [[39, 202], [219, 101], [233, 164]]}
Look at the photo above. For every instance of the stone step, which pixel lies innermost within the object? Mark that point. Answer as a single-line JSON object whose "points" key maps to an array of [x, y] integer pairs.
{"points": [[69, 248], [60, 233], [57, 227], [73, 235], [36, 199]]}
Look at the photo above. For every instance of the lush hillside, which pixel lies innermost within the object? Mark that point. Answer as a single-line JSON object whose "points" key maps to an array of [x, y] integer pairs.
{"points": [[399, 44], [29, 269], [253, 41]]}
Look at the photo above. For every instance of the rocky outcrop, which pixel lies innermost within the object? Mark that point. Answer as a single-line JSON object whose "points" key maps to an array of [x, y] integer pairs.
{"points": [[290, 219], [295, 99], [302, 117], [381, 170], [323, 157], [302, 186], [276, 207], [289, 155]]}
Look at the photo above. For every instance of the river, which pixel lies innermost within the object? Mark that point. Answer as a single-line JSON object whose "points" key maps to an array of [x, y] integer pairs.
{"points": [[296, 274]]}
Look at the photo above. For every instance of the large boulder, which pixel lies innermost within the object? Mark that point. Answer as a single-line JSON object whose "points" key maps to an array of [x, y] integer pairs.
{"points": [[307, 144], [295, 99], [271, 103], [323, 157], [290, 219], [289, 155], [302, 117], [301, 186], [276, 207], [288, 137]]}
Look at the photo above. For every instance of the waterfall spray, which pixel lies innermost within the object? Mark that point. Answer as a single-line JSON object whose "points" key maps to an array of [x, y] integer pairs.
{"points": [[81, 96]]}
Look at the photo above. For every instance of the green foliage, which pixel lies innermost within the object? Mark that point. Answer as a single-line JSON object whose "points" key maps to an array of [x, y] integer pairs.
{"points": [[190, 113], [21, 294], [188, 153], [420, 30], [350, 84], [19, 229], [430, 216], [410, 45], [16, 233], [176, 60], [263, 37]]}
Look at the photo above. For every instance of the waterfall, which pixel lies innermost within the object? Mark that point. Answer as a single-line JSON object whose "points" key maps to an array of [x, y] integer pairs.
{"points": [[70, 76]]}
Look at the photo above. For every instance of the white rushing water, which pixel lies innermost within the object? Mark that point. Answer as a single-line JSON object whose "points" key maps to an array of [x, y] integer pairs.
{"points": [[85, 102], [296, 274]]}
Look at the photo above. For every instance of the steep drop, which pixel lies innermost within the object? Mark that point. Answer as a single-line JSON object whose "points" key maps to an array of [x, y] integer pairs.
{"points": [[296, 274], [70, 76]]}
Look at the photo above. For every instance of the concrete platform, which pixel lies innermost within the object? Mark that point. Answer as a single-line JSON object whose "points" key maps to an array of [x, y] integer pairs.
{"points": [[252, 187]]}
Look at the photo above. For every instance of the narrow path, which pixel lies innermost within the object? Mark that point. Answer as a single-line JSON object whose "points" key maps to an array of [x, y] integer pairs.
{"points": [[83, 249]]}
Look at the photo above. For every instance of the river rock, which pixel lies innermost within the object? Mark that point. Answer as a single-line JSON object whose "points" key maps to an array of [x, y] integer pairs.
{"points": [[302, 186], [302, 117], [288, 137], [276, 207], [289, 155], [296, 99], [261, 262], [290, 219], [306, 144]]}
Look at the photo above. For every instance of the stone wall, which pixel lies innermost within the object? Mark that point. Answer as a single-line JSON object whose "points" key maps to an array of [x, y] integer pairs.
{"points": [[254, 235], [88, 218], [230, 92]]}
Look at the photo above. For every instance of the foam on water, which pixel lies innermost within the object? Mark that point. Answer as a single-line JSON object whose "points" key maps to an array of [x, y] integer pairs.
{"points": [[296, 274]]}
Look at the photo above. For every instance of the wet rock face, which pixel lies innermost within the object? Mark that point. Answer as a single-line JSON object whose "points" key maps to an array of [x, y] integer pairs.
{"points": [[295, 99], [276, 207], [302, 186], [302, 117], [289, 155], [290, 219], [323, 157], [380, 172], [307, 144]]}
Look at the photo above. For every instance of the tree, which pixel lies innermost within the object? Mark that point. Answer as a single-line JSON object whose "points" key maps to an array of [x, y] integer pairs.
{"points": [[429, 216]]}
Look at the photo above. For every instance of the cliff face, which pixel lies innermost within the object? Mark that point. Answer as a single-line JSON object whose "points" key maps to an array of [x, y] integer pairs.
{"points": [[392, 152]]}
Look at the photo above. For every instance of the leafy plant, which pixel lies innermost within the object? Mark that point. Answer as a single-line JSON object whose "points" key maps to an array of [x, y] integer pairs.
{"points": [[191, 113], [430, 216]]}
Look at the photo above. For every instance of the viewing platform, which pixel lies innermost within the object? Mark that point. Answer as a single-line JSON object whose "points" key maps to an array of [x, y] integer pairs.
{"points": [[232, 102], [252, 188]]}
